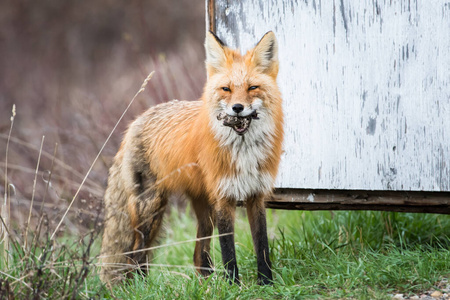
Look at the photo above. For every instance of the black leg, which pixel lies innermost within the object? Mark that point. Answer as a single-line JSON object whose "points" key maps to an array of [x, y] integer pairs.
{"points": [[257, 217], [225, 225]]}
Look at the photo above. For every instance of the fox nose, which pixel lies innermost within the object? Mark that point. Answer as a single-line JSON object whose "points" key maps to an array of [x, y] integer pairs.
{"points": [[237, 108]]}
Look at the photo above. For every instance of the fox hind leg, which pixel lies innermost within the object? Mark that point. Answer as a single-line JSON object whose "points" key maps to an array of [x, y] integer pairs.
{"points": [[117, 239], [146, 209], [132, 222]]}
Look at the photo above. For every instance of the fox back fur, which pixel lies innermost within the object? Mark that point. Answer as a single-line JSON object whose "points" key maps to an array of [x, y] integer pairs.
{"points": [[223, 148]]}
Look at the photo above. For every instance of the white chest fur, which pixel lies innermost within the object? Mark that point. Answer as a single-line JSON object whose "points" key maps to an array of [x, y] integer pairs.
{"points": [[248, 153]]}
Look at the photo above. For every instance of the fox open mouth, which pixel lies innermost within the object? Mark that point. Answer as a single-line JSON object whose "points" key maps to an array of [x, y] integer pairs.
{"points": [[239, 124]]}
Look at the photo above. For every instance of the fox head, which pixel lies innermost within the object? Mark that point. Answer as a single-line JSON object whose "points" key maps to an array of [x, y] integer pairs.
{"points": [[242, 88]]}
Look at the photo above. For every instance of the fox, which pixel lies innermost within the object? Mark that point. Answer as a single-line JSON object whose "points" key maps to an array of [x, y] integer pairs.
{"points": [[225, 147]]}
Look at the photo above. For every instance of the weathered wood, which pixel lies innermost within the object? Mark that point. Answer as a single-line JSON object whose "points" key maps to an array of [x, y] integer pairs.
{"points": [[306, 199], [376, 207], [362, 197], [366, 86], [210, 15], [435, 202]]}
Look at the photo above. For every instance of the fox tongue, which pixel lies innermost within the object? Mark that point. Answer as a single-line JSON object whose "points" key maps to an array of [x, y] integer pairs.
{"points": [[240, 127]]}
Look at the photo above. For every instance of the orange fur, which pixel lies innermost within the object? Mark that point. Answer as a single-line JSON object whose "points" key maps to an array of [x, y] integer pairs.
{"points": [[182, 147]]}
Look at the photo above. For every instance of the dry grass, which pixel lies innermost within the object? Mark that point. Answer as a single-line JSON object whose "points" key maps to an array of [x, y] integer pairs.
{"points": [[80, 125], [70, 69], [40, 262], [71, 82]]}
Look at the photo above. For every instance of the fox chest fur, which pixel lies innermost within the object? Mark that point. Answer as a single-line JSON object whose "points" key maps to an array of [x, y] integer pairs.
{"points": [[249, 158]]}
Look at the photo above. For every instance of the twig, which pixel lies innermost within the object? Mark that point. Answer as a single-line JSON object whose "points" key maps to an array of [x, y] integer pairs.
{"points": [[32, 194], [49, 156], [93, 190], [48, 182], [144, 84], [16, 279], [9, 233], [5, 208]]}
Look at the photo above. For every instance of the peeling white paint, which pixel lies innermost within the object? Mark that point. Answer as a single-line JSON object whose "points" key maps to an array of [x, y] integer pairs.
{"points": [[310, 197], [366, 86]]}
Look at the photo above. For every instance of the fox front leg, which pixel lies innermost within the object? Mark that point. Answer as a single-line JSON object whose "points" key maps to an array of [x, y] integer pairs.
{"points": [[257, 218], [205, 218], [225, 213]]}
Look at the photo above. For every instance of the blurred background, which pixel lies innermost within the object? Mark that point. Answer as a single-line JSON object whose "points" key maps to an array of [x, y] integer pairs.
{"points": [[71, 67]]}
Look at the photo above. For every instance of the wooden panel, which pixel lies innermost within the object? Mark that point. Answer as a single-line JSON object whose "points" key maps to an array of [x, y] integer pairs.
{"points": [[366, 86], [210, 15], [429, 202]]}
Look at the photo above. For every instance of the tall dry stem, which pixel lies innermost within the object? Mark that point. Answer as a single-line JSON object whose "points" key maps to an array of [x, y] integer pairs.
{"points": [[49, 179], [32, 195], [5, 207], [59, 162], [144, 84]]}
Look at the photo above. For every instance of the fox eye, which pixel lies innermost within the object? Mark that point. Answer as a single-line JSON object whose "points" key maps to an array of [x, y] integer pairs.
{"points": [[226, 89], [253, 87]]}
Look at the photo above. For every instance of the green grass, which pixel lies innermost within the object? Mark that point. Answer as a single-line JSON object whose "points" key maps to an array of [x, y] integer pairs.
{"points": [[315, 255], [362, 255]]}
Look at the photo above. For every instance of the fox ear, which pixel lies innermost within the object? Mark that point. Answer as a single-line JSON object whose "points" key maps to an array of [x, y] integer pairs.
{"points": [[265, 54], [215, 53]]}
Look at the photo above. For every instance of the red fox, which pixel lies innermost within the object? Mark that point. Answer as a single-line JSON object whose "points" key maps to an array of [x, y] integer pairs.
{"points": [[223, 148]]}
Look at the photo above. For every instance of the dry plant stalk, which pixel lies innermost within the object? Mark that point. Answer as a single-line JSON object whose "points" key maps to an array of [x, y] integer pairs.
{"points": [[5, 207], [59, 162], [32, 195], [144, 84]]}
